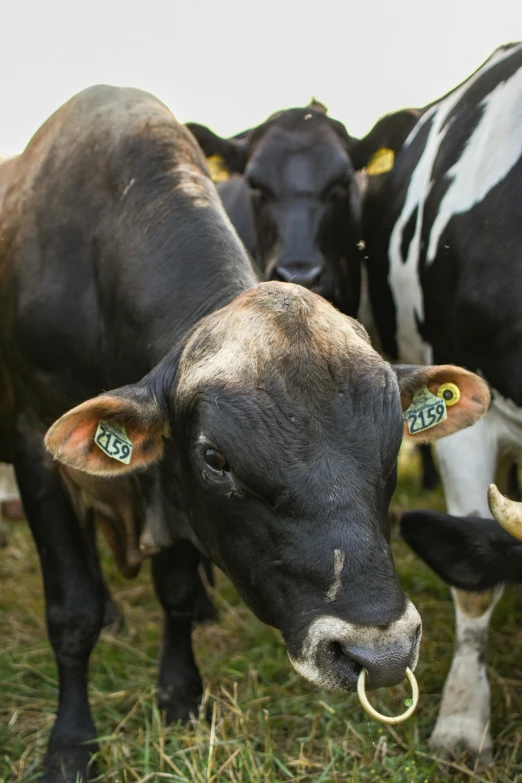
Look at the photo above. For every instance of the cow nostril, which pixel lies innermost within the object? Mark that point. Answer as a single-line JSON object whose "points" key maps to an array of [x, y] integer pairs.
{"points": [[339, 655], [384, 667], [301, 273]]}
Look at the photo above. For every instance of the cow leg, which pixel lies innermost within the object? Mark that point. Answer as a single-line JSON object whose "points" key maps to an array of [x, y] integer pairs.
{"points": [[205, 612], [467, 462], [430, 477], [113, 620], [74, 609], [178, 584]]}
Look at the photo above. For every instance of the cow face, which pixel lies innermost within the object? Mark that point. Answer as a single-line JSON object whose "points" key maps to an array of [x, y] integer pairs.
{"points": [[279, 429], [304, 197]]}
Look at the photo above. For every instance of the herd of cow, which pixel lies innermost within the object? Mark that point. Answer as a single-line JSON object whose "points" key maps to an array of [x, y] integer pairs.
{"points": [[172, 369]]}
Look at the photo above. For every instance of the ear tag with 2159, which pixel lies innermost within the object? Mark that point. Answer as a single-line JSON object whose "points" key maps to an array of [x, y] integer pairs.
{"points": [[113, 441], [425, 411]]}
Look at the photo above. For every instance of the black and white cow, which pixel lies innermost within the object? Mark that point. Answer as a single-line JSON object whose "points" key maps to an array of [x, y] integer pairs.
{"points": [[296, 205], [251, 421], [443, 233]]}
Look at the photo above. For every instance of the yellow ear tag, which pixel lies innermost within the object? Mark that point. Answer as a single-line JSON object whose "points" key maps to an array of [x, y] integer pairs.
{"points": [[218, 169], [113, 441], [381, 162], [450, 393], [426, 410]]}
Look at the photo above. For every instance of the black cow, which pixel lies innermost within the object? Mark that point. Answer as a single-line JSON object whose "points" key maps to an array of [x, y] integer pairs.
{"points": [[249, 421], [470, 553], [297, 207], [443, 235]]}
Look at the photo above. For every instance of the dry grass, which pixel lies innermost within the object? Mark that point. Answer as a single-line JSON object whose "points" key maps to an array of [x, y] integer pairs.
{"points": [[267, 724]]}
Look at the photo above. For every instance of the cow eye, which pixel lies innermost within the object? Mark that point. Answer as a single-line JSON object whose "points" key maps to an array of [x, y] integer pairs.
{"points": [[215, 460], [337, 188]]}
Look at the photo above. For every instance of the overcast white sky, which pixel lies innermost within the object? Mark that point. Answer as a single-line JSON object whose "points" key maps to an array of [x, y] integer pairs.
{"points": [[230, 63]]}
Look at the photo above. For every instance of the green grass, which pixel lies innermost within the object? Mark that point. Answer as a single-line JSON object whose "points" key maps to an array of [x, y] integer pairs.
{"points": [[268, 725]]}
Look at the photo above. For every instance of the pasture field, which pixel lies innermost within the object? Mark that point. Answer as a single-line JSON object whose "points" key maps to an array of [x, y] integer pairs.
{"points": [[267, 725]]}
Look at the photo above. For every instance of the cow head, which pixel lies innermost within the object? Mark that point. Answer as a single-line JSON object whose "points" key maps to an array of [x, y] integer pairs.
{"points": [[304, 198], [469, 553], [278, 429]]}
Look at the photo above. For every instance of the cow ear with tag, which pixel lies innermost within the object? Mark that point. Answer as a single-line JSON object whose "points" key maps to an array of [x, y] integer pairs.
{"points": [[377, 150], [111, 434], [440, 400], [231, 152]]}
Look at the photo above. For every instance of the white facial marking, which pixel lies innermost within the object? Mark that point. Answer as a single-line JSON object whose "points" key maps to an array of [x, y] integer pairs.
{"points": [[243, 341], [327, 628], [465, 709], [404, 273], [333, 592], [128, 186]]}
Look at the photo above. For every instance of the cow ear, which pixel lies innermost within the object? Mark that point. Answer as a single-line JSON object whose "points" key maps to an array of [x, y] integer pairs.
{"points": [[111, 434], [466, 552], [387, 135], [440, 400], [232, 152]]}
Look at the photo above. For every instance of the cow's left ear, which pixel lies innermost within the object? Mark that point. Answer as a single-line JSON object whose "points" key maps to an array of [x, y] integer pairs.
{"points": [[232, 152], [111, 434], [388, 134], [440, 400]]}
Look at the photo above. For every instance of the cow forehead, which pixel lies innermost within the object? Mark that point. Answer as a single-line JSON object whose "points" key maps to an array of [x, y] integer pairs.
{"points": [[272, 325], [290, 162], [318, 145]]}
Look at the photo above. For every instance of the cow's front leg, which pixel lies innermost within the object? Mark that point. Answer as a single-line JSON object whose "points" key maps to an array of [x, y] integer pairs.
{"points": [[465, 710], [178, 584], [74, 608], [113, 620], [467, 463]]}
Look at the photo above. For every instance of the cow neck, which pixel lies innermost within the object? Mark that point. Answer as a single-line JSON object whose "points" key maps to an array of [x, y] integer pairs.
{"points": [[178, 279]]}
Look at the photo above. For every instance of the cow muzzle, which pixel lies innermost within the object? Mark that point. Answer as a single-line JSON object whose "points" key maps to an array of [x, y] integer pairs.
{"points": [[333, 651], [299, 272]]}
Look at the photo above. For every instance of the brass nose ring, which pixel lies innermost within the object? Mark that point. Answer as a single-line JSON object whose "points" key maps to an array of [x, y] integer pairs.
{"points": [[391, 721]]}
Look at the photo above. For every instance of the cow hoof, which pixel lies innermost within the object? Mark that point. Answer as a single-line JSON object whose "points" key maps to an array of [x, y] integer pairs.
{"points": [[463, 736], [72, 766], [178, 704]]}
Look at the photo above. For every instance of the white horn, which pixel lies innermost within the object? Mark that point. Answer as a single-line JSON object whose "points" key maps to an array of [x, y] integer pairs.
{"points": [[508, 513]]}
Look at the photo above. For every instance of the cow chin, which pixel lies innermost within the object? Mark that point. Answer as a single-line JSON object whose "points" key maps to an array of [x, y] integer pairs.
{"points": [[332, 651]]}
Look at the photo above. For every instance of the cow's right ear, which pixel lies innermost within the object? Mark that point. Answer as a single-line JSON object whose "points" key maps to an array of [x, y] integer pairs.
{"points": [[439, 400], [111, 434], [388, 134], [233, 152]]}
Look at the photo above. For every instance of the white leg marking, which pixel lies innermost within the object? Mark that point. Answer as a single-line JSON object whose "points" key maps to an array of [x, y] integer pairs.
{"points": [[467, 462], [333, 592], [466, 701]]}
